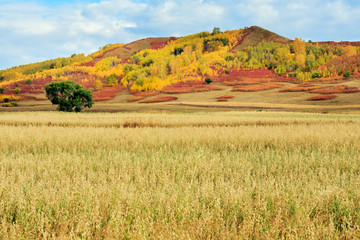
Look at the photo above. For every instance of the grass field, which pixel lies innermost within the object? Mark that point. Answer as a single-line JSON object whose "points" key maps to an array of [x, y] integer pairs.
{"points": [[258, 175]]}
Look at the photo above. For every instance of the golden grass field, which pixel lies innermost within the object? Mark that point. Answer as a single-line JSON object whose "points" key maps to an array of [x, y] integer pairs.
{"points": [[224, 175]]}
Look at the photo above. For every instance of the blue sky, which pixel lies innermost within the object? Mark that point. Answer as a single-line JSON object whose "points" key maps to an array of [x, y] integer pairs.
{"points": [[37, 30]]}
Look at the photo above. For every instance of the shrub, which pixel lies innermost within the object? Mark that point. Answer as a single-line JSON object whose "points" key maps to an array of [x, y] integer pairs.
{"points": [[292, 74], [229, 58], [6, 100], [6, 105], [17, 90], [208, 80], [28, 82], [14, 104], [316, 75], [225, 97], [227, 71], [347, 74], [322, 97], [112, 81], [2, 90]]}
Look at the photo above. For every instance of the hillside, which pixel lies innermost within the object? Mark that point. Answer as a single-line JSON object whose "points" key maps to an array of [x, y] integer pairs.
{"points": [[255, 35], [250, 68]]}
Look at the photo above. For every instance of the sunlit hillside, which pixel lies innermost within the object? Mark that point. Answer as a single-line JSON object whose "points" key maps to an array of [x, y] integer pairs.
{"points": [[248, 59]]}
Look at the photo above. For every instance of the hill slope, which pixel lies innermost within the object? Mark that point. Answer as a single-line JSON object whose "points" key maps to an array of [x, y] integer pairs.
{"points": [[251, 62], [254, 35]]}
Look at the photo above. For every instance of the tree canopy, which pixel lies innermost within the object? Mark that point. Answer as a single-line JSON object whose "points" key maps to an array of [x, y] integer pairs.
{"points": [[69, 96]]}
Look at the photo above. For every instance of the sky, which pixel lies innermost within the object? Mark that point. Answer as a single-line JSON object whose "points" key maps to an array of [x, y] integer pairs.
{"points": [[38, 30]]}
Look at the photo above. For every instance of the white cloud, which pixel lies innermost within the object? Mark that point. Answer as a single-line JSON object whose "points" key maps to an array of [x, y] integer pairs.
{"points": [[40, 30]]}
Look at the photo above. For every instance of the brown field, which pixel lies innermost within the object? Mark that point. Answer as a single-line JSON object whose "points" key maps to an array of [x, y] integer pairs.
{"points": [[224, 175]]}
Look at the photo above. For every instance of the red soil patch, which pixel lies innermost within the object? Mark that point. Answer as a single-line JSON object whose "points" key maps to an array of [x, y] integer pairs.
{"points": [[256, 88], [322, 97], [159, 99]]}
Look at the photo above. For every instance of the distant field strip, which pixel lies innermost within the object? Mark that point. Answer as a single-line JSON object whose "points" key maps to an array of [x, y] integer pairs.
{"points": [[231, 175], [267, 105]]}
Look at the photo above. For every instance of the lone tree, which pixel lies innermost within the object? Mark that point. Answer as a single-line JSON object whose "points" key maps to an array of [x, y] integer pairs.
{"points": [[69, 96]]}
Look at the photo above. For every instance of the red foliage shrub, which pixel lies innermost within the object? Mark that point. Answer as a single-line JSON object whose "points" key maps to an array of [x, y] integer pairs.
{"points": [[225, 97], [159, 99], [134, 99], [126, 47], [41, 99], [322, 97], [106, 93], [351, 90], [98, 99], [336, 89], [301, 88], [89, 64]]}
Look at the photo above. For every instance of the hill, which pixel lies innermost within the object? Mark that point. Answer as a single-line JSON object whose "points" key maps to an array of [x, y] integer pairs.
{"points": [[249, 68], [255, 35]]}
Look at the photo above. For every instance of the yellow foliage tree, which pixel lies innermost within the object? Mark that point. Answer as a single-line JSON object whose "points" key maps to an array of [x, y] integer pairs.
{"points": [[98, 85], [299, 46], [349, 51], [300, 60]]}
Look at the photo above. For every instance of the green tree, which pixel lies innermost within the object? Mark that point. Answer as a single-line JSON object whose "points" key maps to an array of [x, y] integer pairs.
{"points": [[28, 82], [310, 61], [69, 96], [208, 80], [215, 31], [2, 90]]}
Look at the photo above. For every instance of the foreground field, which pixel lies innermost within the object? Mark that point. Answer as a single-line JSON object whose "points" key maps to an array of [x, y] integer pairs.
{"points": [[179, 176]]}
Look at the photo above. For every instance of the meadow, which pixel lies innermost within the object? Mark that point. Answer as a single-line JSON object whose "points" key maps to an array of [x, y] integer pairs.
{"points": [[220, 175]]}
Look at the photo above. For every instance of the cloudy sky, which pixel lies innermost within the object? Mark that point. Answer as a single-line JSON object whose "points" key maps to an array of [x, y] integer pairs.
{"points": [[36, 30]]}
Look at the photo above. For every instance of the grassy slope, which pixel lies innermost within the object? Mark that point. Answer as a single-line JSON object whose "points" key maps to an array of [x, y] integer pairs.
{"points": [[270, 99], [257, 34], [127, 50]]}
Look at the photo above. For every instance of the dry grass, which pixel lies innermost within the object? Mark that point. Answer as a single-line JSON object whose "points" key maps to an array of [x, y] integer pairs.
{"points": [[159, 99], [256, 88], [179, 176]]}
